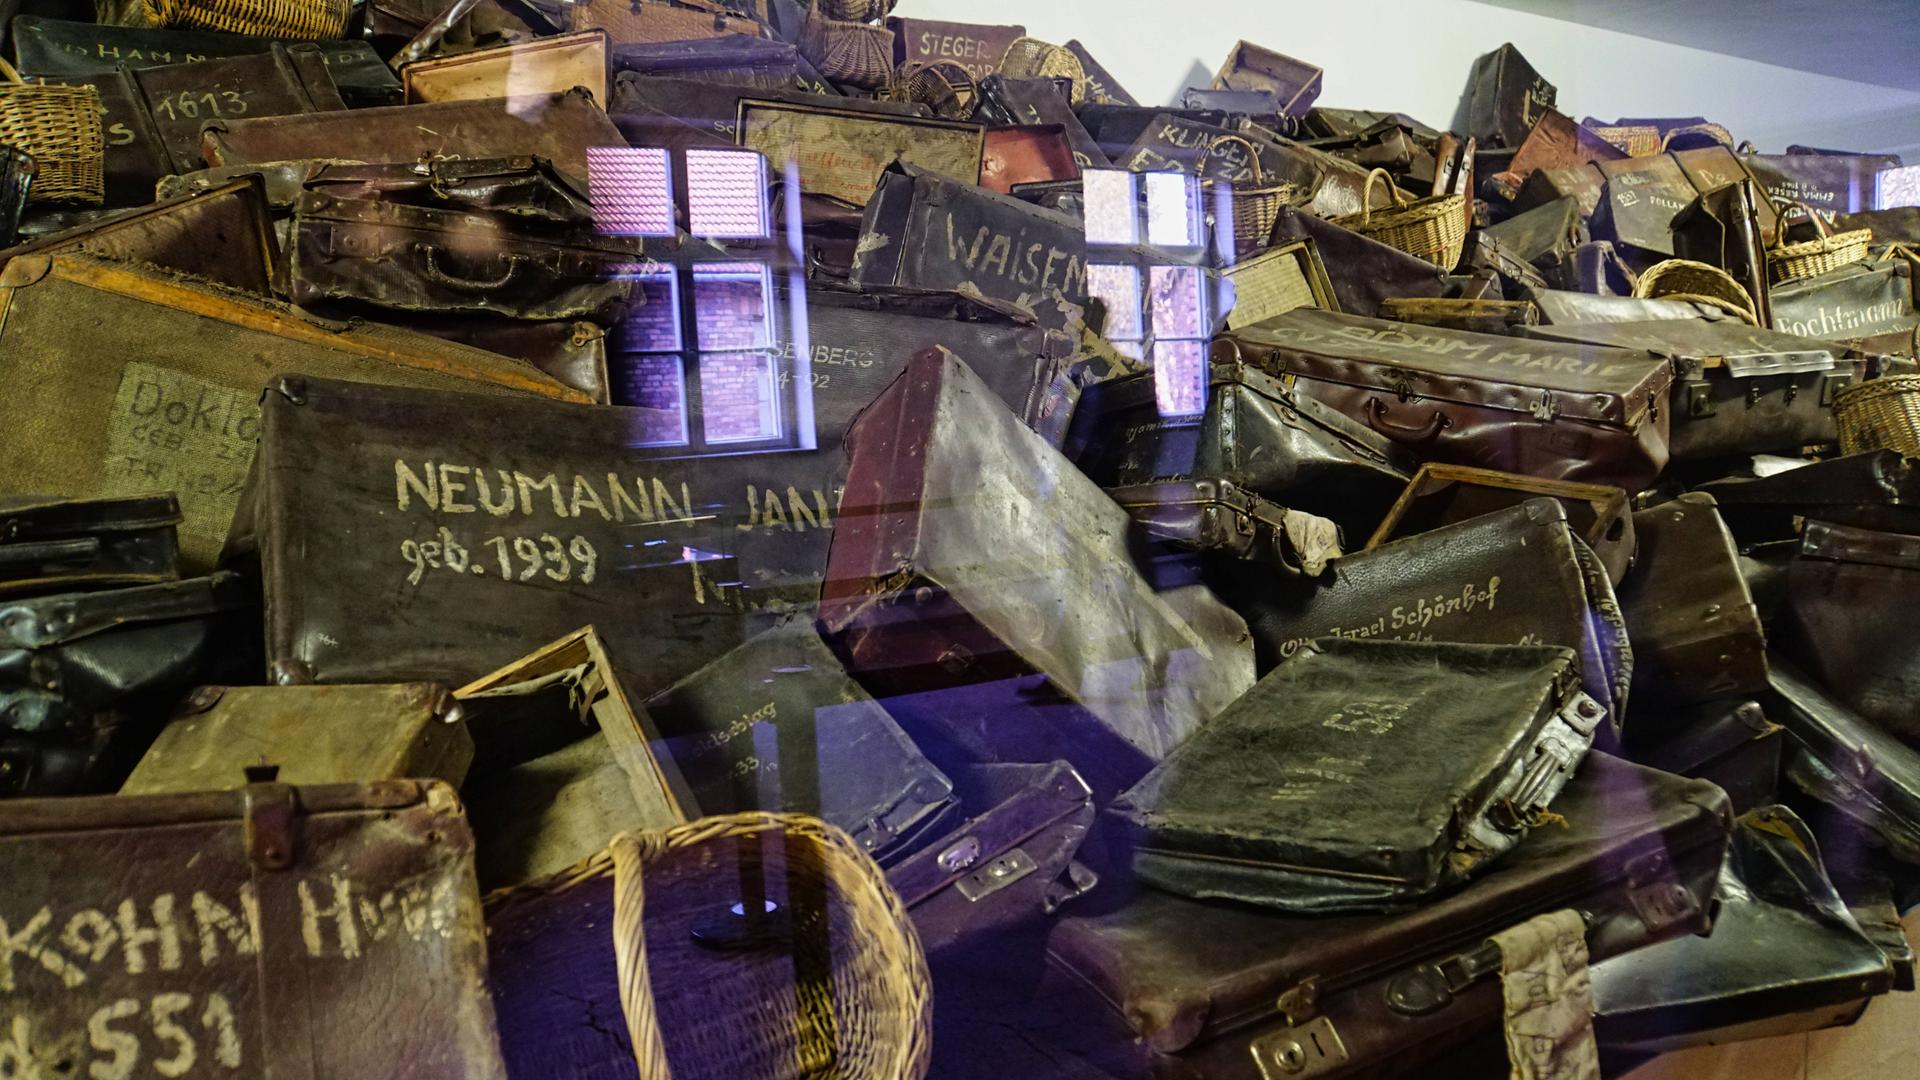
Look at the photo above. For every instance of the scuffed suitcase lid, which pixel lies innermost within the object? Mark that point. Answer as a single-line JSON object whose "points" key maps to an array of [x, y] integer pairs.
{"points": [[1610, 385], [1847, 761], [1740, 350]]}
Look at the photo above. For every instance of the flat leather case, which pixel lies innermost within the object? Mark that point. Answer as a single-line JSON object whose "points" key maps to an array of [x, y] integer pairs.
{"points": [[61, 545], [846, 153], [1537, 408], [976, 47], [1005, 868], [1785, 956], [222, 234], [1641, 199], [1506, 97], [1737, 389], [778, 725], [1230, 992], [349, 907], [1842, 760], [737, 60], [1870, 298], [59, 49], [1696, 633], [1001, 100], [1553, 142], [1294, 84], [629, 21], [1445, 494], [1364, 272], [548, 65], [1254, 434], [673, 112], [1878, 489], [69, 661], [558, 127], [972, 555], [1208, 514], [163, 394], [1581, 183], [282, 81], [1833, 183], [1319, 791], [315, 734], [1517, 576], [1848, 622], [1564, 306], [1730, 742]]}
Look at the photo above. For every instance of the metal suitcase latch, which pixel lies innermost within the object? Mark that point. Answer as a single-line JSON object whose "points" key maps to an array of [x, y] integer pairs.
{"points": [[1657, 897], [1291, 1053], [1428, 988], [1831, 385], [996, 875], [269, 816], [1700, 400]]}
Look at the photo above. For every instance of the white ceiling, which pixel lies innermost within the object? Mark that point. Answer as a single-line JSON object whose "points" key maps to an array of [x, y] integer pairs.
{"points": [[1869, 41]]}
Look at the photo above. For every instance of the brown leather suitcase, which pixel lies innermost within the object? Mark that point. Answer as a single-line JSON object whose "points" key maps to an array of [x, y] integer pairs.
{"points": [[1445, 494], [270, 931], [163, 395], [558, 127], [974, 47], [1642, 197], [1554, 142], [548, 65], [222, 234], [629, 21], [975, 567], [1541, 409], [1696, 634], [1505, 97], [282, 81], [845, 153], [1294, 84], [1229, 992]]}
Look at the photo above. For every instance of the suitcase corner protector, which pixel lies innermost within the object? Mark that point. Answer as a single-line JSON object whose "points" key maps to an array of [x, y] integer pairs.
{"points": [[24, 270]]}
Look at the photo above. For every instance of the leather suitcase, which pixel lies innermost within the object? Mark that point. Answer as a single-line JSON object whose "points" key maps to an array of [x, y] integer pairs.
{"points": [[778, 725], [222, 234], [1696, 634], [1553, 141], [82, 672], [1294, 84], [56, 48], [1711, 167], [1173, 142], [562, 762], [631, 21], [1538, 408], [736, 60], [974, 563], [315, 734], [1000, 100], [1457, 583], [279, 82], [846, 154], [1229, 992], [548, 65], [1722, 228], [1026, 154], [1641, 199], [558, 127], [1581, 183], [975, 47], [1505, 98], [1846, 762], [1786, 956], [322, 931], [163, 396], [68, 544], [1560, 307], [1737, 389], [1211, 515], [1879, 489], [903, 242], [675, 113], [1319, 792], [1730, 742], [1532, 248], [1849, 624], [1868, 298], [1254, 434], [1447, 494], [573, 352], [1003, 869], [1363, 272]]}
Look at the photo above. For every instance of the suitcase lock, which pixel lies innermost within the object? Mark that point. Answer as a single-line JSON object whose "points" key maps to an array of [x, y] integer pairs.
{"points": [[1656, 895], [1291, 1053], [1430, 987]]}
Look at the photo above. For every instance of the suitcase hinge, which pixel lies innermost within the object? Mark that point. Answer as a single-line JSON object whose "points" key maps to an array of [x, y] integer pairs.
{"points": [[1831, 384], [1298, 1003], [269, 810], [1305, 1050], [1657, 897]]}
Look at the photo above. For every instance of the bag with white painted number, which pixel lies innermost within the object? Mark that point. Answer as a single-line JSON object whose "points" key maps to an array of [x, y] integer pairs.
{"points": [[262, 932]]}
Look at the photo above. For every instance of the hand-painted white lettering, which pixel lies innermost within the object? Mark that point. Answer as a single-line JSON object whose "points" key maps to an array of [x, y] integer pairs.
{"points": [[213, 920], [340, 912], [124, 1046], [89, 935], [25, 945], [162, 1010]]}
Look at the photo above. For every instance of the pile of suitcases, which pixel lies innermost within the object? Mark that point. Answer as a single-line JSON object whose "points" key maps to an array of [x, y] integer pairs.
{"points": [[1279, 591]]}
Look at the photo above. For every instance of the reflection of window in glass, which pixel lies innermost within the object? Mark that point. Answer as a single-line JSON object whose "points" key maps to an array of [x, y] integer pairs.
{"points": [[1173, 209], [631, 189], [657, 385], [739, 390], [1180, 377], [1112, 213], [1118, 289], [1897, 187], [1176, 302], [727, 194]]}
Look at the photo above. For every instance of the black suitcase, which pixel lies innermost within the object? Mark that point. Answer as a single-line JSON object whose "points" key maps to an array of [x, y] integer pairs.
{"points": [[1319, 790], [1849, 621], [1364, 272], [1878, 489], [1206, 514], [1868, 299], [1505, 97], [1228, 992], [1785, 956], [1844, 761], [1000, 100], [1730, 742], [53, 545], [1696, 633]]}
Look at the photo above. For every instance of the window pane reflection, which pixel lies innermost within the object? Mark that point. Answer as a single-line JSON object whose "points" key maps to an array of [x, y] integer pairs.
{"points": [[657, 385], [1112, 217], [1177, 302], [730, 305], [631, 189], [1180, 377], [1118, 287], [726, 194], [739, 397], [1173, 219]]}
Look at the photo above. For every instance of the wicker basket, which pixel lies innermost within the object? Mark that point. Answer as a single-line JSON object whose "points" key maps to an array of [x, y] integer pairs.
{"points": [[855, 53], [833, 983], [1831, 251], [943, 86], [1433, 228], [1712, 132], [1880, 414], [1635, 140], [59, 127], [1256, 204], [1031, 58], [16, 183], [857, 10], [301, 19], [1684, 279]]}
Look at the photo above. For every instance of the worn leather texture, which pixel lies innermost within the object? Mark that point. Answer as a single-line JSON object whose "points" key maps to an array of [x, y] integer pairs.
{"points": [[1847, 762], [1696, 634], [224, 234], [1849, 624], [1319, 790], [1363, 271], [1879, 489]]}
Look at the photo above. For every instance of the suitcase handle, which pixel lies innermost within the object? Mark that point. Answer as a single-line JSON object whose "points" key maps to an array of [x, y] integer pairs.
{"points": [[430, 252], [1377, 419]]}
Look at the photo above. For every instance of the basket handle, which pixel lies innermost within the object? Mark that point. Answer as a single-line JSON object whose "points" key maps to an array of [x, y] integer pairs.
{"points": [[631, 854], [1780, 221], [1366, 195], [10, 73], [1253, 155]]}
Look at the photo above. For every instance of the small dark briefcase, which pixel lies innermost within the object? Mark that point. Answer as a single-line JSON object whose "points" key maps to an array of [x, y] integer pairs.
{"points": [[273, 931], [1230, 992], [1696, 633], [1849, 621], [1845, 761], [56, 545], [1321, 789]]}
